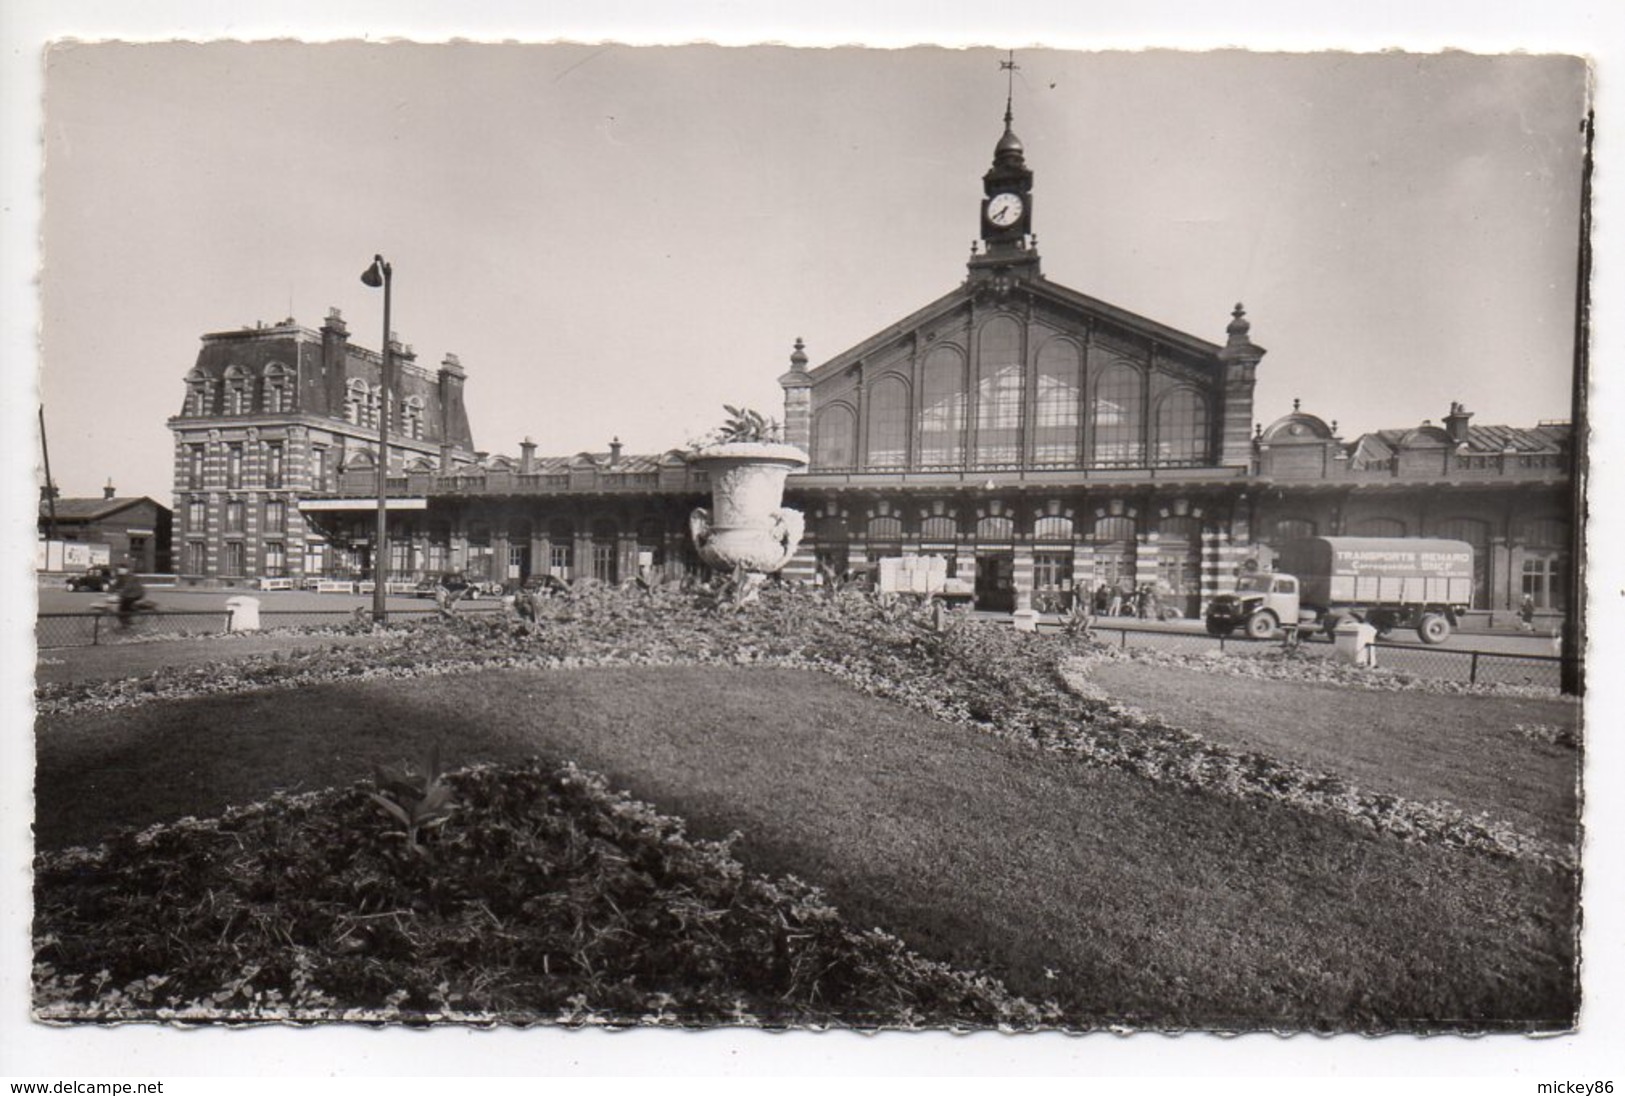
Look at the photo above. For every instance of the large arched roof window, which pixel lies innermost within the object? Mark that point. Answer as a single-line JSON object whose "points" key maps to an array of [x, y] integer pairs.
{"points": [[1119, 417], [1182, 428], [888, 424], [942, 409], [1056, 412], [999, 377], [834, 431]]}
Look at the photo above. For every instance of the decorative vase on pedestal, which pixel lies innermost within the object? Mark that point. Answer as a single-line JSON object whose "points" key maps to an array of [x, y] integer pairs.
{"points": [[747, 525]]}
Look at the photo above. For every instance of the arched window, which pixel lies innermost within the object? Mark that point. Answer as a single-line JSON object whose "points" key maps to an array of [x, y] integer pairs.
{"points": [[995, 530], [938, 531], [1119, 417], [1052, 528], [1060, 381], [999, 393], [1377, 527], [884, 537], [1182, 429], [1286, 529], [942, 409], [833, 432], [888, 424]]}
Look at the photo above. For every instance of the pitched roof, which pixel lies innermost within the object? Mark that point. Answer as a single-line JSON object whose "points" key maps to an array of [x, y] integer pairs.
{"points": [[77, 509]]}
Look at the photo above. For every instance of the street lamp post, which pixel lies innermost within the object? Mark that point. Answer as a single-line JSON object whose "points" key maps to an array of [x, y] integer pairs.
{"points": [[378, 274]]}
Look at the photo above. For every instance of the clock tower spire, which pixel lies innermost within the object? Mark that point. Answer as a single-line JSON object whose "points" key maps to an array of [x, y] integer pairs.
{"points": [[1008, 246]]}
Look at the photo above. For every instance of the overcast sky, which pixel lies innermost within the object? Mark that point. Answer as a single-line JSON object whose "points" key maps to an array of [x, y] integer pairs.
{"points": [[617, 240]]}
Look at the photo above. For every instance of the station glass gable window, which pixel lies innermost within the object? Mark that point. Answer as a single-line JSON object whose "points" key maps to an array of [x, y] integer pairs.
{"points": [[942, 409], [1119, 418], [999, 391], [1182, 428], [832, 438], [888, 424], [1055, 425]]}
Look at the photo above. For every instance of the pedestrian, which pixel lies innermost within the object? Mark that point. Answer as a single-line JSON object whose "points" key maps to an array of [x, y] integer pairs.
{"points": [[1526, 614], [1102, 599], [1114, 606]]}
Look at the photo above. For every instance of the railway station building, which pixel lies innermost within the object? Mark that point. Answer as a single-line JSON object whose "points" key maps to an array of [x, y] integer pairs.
{"points": [[1036, 438]]}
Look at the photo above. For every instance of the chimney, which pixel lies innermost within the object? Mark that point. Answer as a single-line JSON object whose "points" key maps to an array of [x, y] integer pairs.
{"points": [[614, 452], [1455, 423], [49, 492], [107, 491], [527, 457]]}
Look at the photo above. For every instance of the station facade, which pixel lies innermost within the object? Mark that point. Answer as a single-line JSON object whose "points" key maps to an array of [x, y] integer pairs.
{"points": [[1036, 438]]}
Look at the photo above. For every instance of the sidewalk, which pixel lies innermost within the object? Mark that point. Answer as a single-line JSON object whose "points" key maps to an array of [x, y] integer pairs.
{"points": [[109, 661]]}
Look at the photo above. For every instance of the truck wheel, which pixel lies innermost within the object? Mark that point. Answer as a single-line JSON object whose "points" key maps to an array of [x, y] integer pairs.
{"points": [[1262, 624], [1214, 628], [1433, 628]]}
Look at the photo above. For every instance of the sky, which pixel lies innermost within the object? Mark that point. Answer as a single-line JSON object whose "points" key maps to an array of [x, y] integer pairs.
{"points": [[618, 240]]}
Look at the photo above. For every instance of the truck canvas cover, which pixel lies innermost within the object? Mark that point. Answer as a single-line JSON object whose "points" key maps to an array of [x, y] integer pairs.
{"points": [[1380, 570]]}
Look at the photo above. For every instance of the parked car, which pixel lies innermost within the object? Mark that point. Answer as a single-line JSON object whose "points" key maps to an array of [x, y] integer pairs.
{"points": [[96, 580]]}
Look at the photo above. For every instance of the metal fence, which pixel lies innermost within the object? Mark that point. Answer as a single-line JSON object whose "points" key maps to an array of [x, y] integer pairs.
{"points": [[55, 630], [1442, 663]]}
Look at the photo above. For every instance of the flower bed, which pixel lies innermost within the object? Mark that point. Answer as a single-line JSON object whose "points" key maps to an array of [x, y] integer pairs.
{"points": [[998, 680], [543, 897]]}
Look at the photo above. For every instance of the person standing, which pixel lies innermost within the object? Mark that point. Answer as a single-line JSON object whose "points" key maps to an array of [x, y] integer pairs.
{"points": [[1526, 614]]}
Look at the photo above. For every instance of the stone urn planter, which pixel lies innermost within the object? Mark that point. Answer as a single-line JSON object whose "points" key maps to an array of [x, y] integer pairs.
{"points": [[747, 525]]}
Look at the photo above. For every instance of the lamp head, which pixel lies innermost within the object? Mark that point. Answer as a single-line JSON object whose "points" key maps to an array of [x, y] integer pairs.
{"points": [[374, 275]]}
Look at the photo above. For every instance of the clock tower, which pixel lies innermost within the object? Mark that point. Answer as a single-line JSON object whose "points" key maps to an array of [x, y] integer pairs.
{"points": [[1007, 245]]}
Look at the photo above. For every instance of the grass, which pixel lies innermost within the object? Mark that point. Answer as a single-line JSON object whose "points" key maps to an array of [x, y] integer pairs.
{"points": [[1424, 746], [1122, 900]]}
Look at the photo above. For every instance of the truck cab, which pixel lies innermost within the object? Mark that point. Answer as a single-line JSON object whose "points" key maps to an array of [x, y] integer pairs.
{"points": [[1261, 603]]}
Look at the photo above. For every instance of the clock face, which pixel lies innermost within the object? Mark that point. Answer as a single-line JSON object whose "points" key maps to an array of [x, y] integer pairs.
{"points": [[1004, 209]]}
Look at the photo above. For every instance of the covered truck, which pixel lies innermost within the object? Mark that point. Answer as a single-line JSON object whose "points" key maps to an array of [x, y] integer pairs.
{"points": [[1386, 582]]}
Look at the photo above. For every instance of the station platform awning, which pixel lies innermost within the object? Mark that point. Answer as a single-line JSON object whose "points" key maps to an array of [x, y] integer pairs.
{"points": [[357, 504]]}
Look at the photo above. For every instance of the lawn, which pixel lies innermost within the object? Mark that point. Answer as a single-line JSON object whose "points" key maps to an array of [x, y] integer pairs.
{"points": [[1120, 898], [1424, 746]]}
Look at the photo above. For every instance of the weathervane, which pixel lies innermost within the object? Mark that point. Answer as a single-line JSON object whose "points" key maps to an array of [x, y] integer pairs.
{"points": [[1009, 65]]}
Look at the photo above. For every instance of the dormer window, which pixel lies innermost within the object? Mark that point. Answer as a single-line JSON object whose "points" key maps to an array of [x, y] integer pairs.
{"points": [[278, 389], [356, 399]]}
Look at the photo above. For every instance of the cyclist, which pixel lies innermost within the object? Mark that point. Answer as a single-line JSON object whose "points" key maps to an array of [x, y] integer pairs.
{"points": [[129, 591]]}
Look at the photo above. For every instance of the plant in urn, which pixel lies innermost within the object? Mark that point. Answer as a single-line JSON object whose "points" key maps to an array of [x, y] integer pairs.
{"points": [[747, 526]]}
